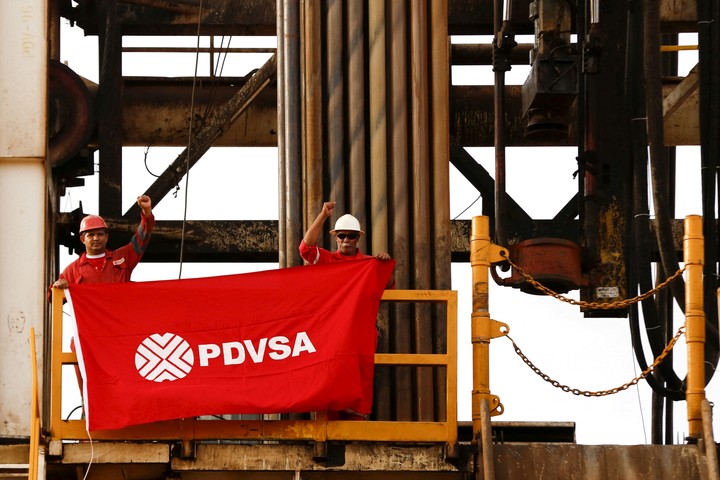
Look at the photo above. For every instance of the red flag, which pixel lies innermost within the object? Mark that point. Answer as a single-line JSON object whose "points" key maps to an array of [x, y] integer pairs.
{"points": [[291, 340]]}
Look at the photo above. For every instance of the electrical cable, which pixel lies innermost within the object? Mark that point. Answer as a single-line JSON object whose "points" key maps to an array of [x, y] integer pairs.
{"points": [[217, 73], [638, 274], [656, 146], [468, 207], [92, 454], [67, 418], [708, 14], [145, 156], [637, 393], [189, 144]]}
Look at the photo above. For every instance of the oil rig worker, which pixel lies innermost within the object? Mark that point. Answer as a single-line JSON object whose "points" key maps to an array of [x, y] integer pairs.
{"points": [[347, 233], [100, 265]]}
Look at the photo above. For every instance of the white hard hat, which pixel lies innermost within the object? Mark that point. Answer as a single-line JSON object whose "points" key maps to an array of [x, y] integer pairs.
{"points": [[347, 223]]}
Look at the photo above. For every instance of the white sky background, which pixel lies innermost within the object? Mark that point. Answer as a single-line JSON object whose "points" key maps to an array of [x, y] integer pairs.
{"points": [[588, 354]]}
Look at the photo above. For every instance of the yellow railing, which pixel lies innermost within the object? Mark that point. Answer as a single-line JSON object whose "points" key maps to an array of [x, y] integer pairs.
{"points": [[320, 429], [35, 432]]}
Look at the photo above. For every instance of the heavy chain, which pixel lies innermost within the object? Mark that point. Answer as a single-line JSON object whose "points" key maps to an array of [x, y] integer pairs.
{"points": [[593, 305], [597, 305], [601, 393]]}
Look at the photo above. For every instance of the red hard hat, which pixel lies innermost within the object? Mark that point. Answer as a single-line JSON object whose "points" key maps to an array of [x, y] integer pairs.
{"points": [[92, 222]]}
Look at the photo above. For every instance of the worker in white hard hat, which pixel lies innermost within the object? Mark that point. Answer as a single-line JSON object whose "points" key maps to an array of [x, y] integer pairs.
{"points": [[100, 265], [347, 233]]}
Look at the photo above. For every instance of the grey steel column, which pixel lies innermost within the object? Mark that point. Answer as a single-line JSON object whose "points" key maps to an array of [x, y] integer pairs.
{"points": [[293, 140]]}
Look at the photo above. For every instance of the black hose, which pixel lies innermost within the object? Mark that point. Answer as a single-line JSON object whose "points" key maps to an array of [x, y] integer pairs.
{"points": [[658, 165], [639, 271], [640, 355], [708, 54], [654, 330]]}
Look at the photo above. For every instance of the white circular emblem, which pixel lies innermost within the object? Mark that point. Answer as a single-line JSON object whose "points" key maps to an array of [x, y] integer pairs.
{"points": [[164, 357]]}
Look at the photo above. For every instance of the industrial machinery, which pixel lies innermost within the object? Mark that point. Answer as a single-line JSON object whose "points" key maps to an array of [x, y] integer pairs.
{"points": [[358, 99]]}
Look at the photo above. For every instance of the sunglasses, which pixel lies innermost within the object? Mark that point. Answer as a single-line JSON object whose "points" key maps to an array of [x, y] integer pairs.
{"points": [[351, 236]]}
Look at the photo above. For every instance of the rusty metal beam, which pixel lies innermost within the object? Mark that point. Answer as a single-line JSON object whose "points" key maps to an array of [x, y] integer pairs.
{"points": [[257, 240], [208, 133], [481, 54], [681, 110], [184, 6], [156, 112], [483, 182], [215, 241], [165, 17], [205, 240], [471, 118], [257, 17]]}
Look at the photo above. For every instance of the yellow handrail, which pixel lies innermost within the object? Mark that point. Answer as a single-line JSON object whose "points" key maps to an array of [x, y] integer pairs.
{"points": [[34, 414], [321, 429]]}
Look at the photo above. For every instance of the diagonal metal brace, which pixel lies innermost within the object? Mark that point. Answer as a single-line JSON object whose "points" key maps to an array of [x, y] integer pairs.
{"points": [[213, 129]]}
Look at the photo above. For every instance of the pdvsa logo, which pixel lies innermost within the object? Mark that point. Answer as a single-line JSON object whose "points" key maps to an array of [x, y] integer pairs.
{"points": [[164, 357], [170, 357]]}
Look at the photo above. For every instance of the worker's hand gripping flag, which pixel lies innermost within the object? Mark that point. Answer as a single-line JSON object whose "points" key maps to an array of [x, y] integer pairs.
{"points": [[291, 340]]}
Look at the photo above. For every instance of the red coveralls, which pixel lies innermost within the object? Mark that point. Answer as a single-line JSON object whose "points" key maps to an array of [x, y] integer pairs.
{"points": [[117, 268], [315, 255], [119, 263]]}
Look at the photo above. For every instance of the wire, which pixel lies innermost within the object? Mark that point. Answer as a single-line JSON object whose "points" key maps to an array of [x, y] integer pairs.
{"points": [[190, 129], [637, 392], [145, 156], [92, 454], [468, 207], [68, 201], [217, 73], [67, 419]]}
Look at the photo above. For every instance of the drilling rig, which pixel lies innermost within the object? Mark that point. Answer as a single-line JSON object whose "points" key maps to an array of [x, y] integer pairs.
{"points": [[357, 98]]}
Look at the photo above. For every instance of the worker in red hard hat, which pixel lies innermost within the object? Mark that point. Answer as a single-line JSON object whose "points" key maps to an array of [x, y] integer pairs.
{"points": [[100, 265]]}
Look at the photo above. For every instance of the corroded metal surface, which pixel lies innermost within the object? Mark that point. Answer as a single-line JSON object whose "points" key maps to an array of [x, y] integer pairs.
{"points": [[70, 114], [257, 17], [249, 240], [156, 112], [598, 462], [342, 457], [541, 461]]}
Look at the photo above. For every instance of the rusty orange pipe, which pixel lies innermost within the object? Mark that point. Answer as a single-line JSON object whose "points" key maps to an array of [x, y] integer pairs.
{"points": [[694, 257]]}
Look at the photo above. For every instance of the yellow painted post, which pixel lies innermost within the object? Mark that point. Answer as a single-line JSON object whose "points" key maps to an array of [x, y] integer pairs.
{"points": [[56, 358], [482, 254], [480, 263], [693, 250], [34, 414]]}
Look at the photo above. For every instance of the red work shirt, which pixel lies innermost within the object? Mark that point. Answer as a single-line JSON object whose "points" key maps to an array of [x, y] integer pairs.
{"points": [[119, 263], [315, 255]]}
